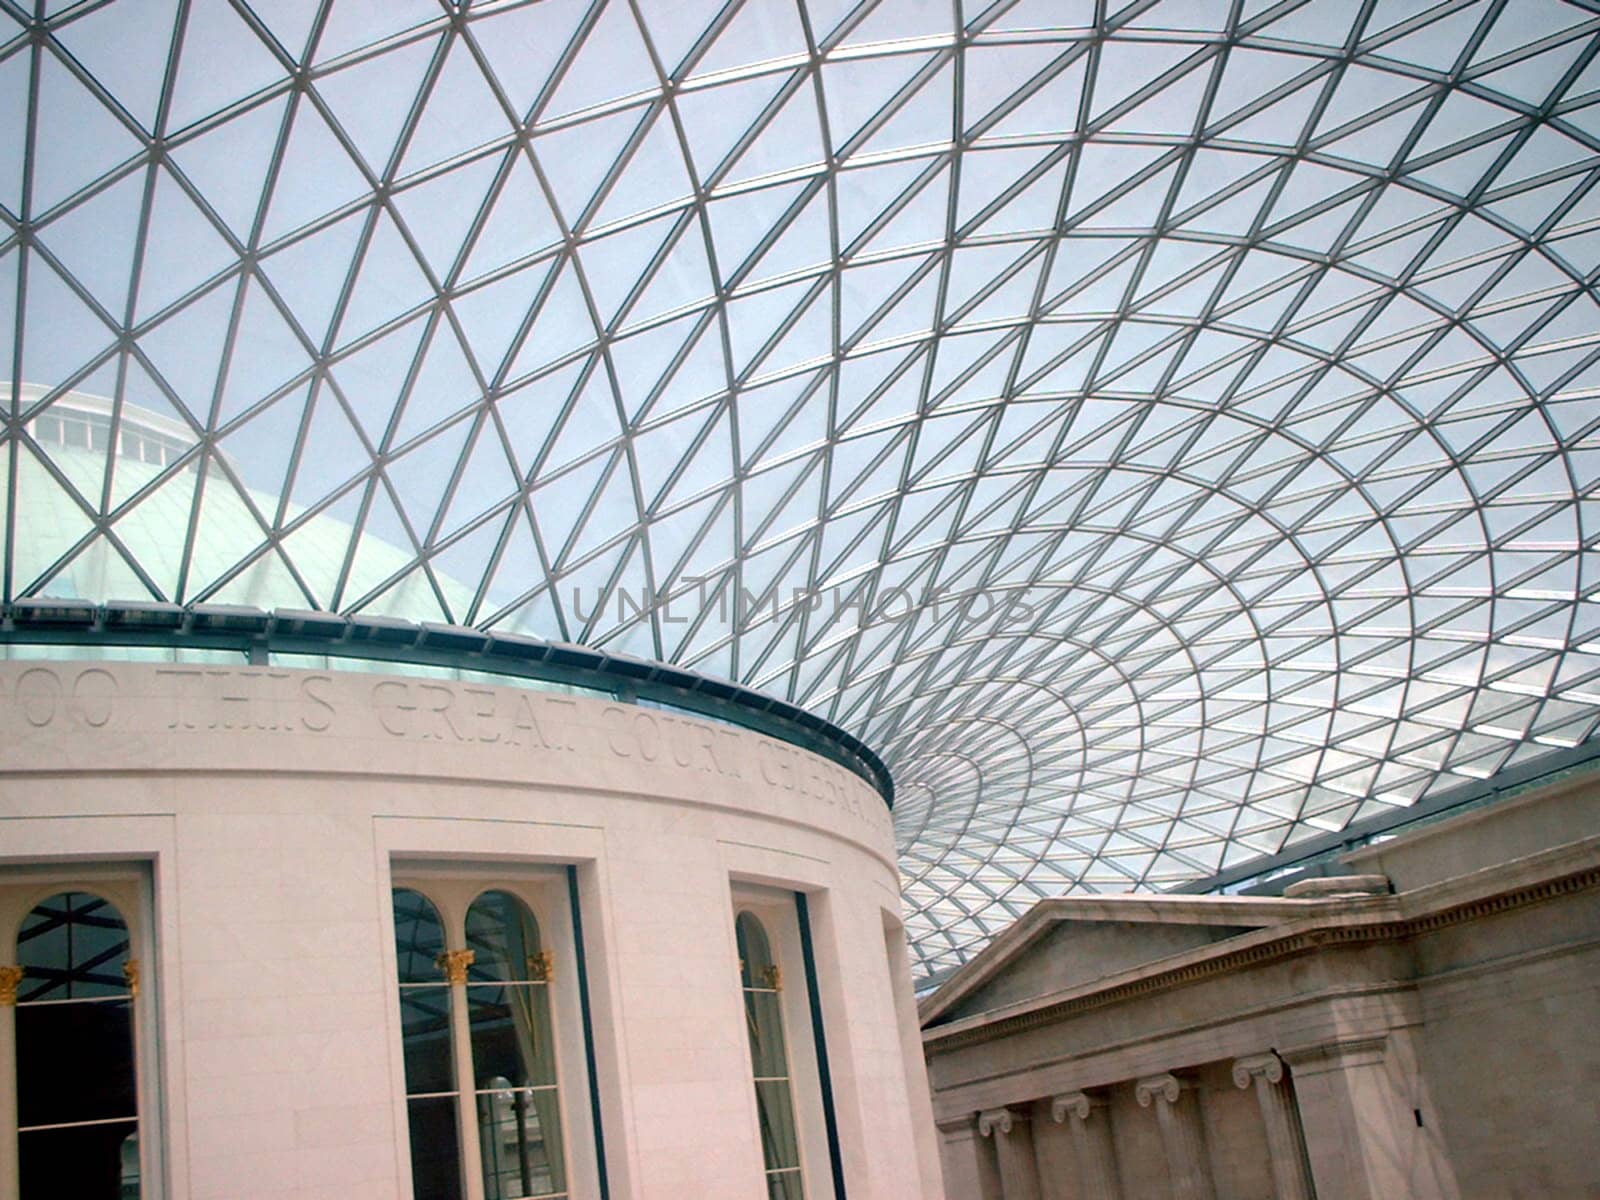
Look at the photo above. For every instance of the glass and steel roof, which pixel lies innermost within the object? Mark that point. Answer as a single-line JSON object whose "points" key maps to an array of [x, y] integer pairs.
{"points": [[1165, 430]]}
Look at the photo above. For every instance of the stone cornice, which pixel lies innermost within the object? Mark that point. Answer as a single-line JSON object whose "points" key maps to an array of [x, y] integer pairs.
{"points": [[1302, 937]]}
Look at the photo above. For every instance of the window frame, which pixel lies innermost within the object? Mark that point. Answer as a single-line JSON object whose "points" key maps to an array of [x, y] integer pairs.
{"points": [[127, 887], [452, 889], [778, 913]]}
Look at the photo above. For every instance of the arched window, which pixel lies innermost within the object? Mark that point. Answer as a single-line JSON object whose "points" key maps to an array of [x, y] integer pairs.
{"points": [[476, 1024], [763, 1011], [513, 1051], [432, 1093], [77, 1099]]}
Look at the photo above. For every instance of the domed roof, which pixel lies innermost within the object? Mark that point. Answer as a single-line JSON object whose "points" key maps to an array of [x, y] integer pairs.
{"points": [[1165, 430]]}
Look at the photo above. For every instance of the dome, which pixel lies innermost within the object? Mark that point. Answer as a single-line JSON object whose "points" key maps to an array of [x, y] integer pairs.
{"points": [[1166, 431]]}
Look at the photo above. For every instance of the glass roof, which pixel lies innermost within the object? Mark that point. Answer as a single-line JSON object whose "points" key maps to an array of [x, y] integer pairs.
{"points": [[1164, 431]]}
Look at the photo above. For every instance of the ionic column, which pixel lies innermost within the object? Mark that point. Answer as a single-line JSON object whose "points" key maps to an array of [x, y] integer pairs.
{"points": [[1291, 1180], [1182, 1136], [1013, 1144], [1090, 1123], [10, 1177]]}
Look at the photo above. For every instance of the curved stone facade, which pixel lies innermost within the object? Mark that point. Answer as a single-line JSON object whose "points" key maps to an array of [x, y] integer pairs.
{"points": [[263, 816]]}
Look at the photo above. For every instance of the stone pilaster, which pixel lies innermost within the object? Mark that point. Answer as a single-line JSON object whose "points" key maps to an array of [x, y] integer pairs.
{"points": [[1361, 1135], [1291, 1177], [966, 1160], [1182, 1135], [1013, 1143], [1090, 1122]]}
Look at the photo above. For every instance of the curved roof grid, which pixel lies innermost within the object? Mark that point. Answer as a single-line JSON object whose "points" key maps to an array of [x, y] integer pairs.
{"points": [[1165, 430]]}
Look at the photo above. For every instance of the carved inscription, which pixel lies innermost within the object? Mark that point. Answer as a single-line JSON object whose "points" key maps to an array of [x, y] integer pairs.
{"points": [[83, 696], [657, 737], [437, 712], [794, 770], [264, 701], [268, 701]]}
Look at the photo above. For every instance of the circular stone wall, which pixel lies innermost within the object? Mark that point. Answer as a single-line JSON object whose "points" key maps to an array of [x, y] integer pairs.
{"points": [[265, 815]]}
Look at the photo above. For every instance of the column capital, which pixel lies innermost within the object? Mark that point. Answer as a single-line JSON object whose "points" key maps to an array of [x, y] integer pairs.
{"points": [[991, 1119], [9, 978], [1267, 1066], [1077, 1104], [454, 964], [1168, 1086]]}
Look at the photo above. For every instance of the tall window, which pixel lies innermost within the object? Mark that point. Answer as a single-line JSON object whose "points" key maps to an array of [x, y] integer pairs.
{"points": [[513, 1051], [762, 981], [476, 1023], [431, 1090], [77, 1100]]}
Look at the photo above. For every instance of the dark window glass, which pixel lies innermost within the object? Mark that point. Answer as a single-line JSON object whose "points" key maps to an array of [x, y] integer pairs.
{"points": [[504, 940], [425, 1037], [513, 1052], [74, 1062], [763, 1011], [77, 1096], [72, 947], [418, 937], [431, 1091], [435, 1157], [83, 1162]]}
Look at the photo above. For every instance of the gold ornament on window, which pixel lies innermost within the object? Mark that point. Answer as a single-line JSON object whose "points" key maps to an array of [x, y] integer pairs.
{"points": [[130, 972], [454, 964], [772, 977], [9, 978], [541, 967]]}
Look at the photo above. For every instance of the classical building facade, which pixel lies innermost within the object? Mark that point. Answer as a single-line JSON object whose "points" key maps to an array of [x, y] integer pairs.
{"points": [[403, 929], [1421, 1028]]}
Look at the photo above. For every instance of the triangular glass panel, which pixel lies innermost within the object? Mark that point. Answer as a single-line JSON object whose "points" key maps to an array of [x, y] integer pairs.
{"points": [[95, 241], [715, 119], [461, 112], [333, 454], [439, 212], [578, 158], [491, 315], [316, 176], [351, 27], [791, 139], [77, 139], [372, 98], [388, 283], [60, 333], [126, 51], [310, 273], [225, 61], [228, 164], [523, 45], [611, 61], [182, 249], [1052, 109]]}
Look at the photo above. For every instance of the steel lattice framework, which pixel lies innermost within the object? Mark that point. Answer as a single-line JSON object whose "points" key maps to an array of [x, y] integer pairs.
{"points": [[1165, 430]]}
